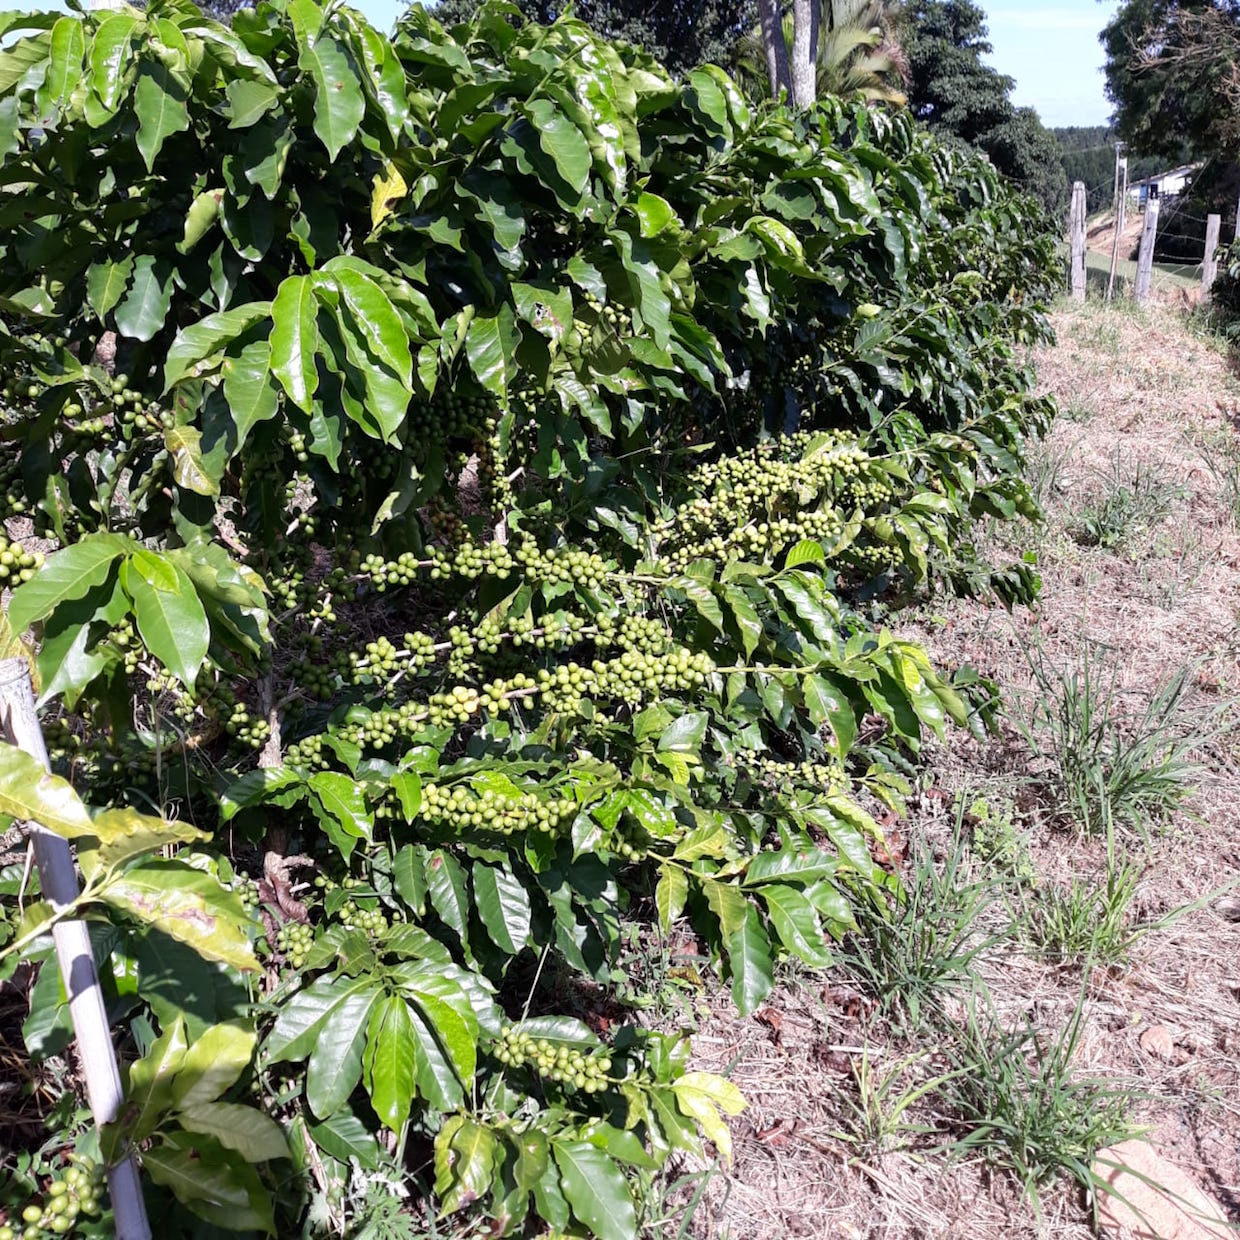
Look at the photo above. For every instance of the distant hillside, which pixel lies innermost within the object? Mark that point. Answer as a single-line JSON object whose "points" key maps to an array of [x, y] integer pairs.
{"points": [[1089, 156]]}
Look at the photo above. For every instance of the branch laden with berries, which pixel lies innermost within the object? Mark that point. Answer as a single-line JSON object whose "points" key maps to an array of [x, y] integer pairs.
{"points": [[475, 465]]}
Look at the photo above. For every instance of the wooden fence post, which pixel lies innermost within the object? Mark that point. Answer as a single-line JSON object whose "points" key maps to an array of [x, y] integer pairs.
{"points": [[1077, 227], [1209, 263], [58, 880], [1145, 257], [1121, 216]]}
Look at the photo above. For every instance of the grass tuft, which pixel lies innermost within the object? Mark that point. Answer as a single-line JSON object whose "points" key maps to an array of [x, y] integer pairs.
{"points": [[1102, 769], [1022, 1104]]}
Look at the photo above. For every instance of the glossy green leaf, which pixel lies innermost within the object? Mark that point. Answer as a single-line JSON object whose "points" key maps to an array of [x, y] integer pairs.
{"points": [[749, 961], [29, 793], [159, 102], [389, 1065], [596, 1190], [194, 346], [110, 49], [670, 895], [562, 141], [106, 283], [796, 922], [338, 101], [491, 345], [445, 881], [255, 1136], [152, 1081], [504, 906], [251, 396], [171, 618], [68, 574], [143, 311], [300, 1020], [64, 70], [345, 801], [295, 339], [214, 1063], [335, 1065]]}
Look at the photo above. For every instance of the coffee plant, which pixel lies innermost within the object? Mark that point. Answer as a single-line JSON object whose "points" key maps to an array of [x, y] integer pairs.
{"points": [[475, 467]]}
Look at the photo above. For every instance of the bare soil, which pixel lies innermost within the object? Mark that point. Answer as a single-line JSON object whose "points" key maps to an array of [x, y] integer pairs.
{"points": [[831, 1145]]}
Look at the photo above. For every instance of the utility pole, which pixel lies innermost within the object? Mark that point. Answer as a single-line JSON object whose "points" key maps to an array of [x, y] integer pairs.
{"points": [[1120, 212]]}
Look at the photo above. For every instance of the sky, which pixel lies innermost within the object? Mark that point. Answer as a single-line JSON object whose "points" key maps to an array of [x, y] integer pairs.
{"points": [[1053, 53]]}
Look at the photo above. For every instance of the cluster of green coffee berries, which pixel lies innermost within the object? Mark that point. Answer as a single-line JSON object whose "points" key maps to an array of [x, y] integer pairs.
{"points": [[452, 414], [78, 1191], [12, 496], [371, 921], [758, 503], [16, 563], [249, 731], [246, 891], [829, 778], [295, 940], [557, 1062], [633, 677], [461, 808]]}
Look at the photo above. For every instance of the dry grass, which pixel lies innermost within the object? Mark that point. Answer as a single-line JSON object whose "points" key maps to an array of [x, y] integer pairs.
{"points": [[1145, 393]]}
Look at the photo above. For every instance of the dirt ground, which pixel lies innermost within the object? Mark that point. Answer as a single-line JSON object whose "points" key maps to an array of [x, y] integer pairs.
{"points": [[837, 1140]]}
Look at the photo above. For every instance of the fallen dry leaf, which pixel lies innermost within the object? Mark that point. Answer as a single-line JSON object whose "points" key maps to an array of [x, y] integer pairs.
{"points": [[773, 1020], [780, 1132]]}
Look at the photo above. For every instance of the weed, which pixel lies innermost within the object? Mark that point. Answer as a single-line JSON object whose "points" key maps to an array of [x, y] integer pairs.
{"points": [[996, 840], [670, 1202], [1044, 473], [1084, 924], [1222, 459], [1077, 411], [927, 944], [877, 1118], [1126, 508], [648, 974], [1101, 768], [1023, 1105]]}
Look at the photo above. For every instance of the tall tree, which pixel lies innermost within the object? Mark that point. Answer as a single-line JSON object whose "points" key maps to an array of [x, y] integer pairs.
{"points": [[1173, 74], [957, 94], [855, 52]]}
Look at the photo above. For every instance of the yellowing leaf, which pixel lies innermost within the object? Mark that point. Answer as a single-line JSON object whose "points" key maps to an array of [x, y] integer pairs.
{"points": [[389, 188]]}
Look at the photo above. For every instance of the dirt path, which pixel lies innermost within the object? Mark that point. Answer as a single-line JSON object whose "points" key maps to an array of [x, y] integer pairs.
{"points": [[1141, 565]]}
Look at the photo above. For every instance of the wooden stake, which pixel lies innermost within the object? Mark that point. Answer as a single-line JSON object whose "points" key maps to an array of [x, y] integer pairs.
{"points": [[1121, 216], [1209, 261], [58, 880], [1077, 241], [1145, 258]]}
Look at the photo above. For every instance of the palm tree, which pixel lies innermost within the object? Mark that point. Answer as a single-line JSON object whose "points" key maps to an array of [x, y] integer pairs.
{"points": [[857, 51]]}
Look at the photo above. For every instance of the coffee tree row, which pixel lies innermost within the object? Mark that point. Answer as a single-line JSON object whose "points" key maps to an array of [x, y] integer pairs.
{"points": [[478, 463]]}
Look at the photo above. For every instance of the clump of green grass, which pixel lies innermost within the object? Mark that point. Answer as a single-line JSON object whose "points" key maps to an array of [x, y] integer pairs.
{"points": [[1126, 508], [1022, 1104], [1222, 459], [1103, 767], [911, 956], [1083, 923]]}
